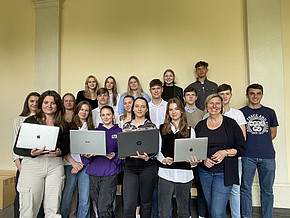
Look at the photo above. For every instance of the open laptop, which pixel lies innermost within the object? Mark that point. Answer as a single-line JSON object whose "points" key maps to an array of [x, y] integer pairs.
{"points": [[37, 136], [186, 148], [88, 142], [142, 141]]}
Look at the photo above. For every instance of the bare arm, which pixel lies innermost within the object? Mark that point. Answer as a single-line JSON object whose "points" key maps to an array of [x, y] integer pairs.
{"points": [[243, 128], [273, 132]]}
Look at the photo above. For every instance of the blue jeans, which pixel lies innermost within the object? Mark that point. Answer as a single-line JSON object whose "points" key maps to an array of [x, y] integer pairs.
{"points": [[84, 192], [266, 170], [215, 192], [235, 196]]}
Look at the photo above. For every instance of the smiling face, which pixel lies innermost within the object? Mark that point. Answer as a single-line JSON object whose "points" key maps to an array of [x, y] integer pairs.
{"points": [[109, 84], [49, 106], [214, 106], [32, 103], [169, 78], [140, 108], [156, 91], [226, 95], [103, 99], [133, 84], [84, 112], [107, 116], [174, 112], [68, 102], [92, 83], [128, 102], [254, 96]]}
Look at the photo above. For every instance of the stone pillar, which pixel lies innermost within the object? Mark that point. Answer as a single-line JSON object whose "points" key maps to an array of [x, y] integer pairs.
{"points": [[266, 67], [47, 44]]}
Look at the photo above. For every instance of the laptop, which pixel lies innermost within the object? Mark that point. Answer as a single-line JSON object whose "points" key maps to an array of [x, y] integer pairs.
{"points": [[88, 142], [186, 148], [37, 136], [142, 141]]}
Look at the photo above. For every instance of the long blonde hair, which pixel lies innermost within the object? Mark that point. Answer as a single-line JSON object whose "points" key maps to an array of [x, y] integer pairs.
{"points": [[139, 90], [182, 126], [114, 90], [87, 93]]}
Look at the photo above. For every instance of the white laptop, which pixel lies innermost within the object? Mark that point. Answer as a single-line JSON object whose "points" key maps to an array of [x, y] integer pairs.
{"points": [[37, 136], [88, 142], [186, 148]]}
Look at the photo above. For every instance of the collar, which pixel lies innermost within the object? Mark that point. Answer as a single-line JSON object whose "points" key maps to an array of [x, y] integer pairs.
{"points": [[190, 111]]}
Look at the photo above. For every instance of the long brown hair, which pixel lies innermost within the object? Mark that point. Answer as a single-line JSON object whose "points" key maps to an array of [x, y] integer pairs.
{"points": [[76, 122], [114, 90], [87, 91], [58, 115], [25, 111], [139, 90], [182, 126]]}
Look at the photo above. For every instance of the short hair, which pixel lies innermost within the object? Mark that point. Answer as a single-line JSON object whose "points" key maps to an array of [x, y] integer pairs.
{"points": [[201, 63], [254, 86], [189, 89], [214, 96], [224, 87], [102, 91], [155, 82]]}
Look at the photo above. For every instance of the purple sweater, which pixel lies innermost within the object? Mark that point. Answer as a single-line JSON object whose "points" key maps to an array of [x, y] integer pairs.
{"points": [[100, 165]]}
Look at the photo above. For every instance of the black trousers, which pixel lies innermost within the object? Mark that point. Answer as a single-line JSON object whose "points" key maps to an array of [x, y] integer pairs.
{"points": [[139, 180]]}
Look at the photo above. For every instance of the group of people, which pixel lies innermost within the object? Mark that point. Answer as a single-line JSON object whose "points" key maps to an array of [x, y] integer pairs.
{"points": [[239, 142]]}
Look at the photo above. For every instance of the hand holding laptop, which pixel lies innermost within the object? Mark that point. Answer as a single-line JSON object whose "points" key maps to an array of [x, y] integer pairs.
{"points": [[141, 156], [35, 152]]}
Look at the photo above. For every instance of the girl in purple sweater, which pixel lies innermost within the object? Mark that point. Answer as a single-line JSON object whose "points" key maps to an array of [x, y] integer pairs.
{"points": [[103, 170]]}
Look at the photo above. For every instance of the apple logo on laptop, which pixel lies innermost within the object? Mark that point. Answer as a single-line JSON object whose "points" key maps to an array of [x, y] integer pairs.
{"points": [[139, 142], [38, 136]]}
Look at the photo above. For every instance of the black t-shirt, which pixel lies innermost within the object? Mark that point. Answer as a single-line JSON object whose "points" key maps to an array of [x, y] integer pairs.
{"points": [[217, 140]]}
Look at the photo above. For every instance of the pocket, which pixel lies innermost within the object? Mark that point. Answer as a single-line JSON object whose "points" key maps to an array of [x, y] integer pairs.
{"points": [[25, 196]]}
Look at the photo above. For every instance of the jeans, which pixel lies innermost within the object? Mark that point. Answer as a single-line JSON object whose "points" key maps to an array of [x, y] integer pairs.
{"points": [[235, 197], [155, 201], [139, 180], [201, 203], [266, 170], [84, 192], [215, 192], [165, 192]]}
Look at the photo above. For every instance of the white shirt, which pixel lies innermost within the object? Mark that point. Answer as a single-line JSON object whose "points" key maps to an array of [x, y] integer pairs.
{"points": [[157, 113], [235, 114], [174, 175], [111, 102]]}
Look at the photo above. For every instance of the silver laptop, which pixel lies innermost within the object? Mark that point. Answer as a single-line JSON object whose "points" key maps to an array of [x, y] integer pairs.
{"points": [[37, 136], [88, 142], [186, 148], [142, 141]]}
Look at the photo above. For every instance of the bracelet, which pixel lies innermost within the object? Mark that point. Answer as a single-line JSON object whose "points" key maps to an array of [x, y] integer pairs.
{"points": [[227, 152]]}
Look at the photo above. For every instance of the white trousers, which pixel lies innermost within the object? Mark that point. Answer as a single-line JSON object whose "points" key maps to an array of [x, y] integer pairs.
{"points": [[41, 179]]}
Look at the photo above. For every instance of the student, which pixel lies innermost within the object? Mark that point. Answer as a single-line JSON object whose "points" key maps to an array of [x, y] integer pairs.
{"points": [[103, 99], [74, 168], [219, 171], [104, 170], [174, 176], [140, 173], [42, 172], [134, 89], [170, 90], [194, 115], [29, 109], [261, 130], [203, 86], [111, 85], [90, 92], [126, 116], [157, 109], [69, 104]]}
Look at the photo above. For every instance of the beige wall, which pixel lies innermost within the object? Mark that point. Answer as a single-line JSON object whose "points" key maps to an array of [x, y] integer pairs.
{"points": [[143, 38], [285, 19], [16, 67]]}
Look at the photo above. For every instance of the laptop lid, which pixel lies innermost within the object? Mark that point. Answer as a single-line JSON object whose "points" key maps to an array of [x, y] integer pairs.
{"points": [[142, 141], [37, 136], [88, 142], [186, 148]]}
